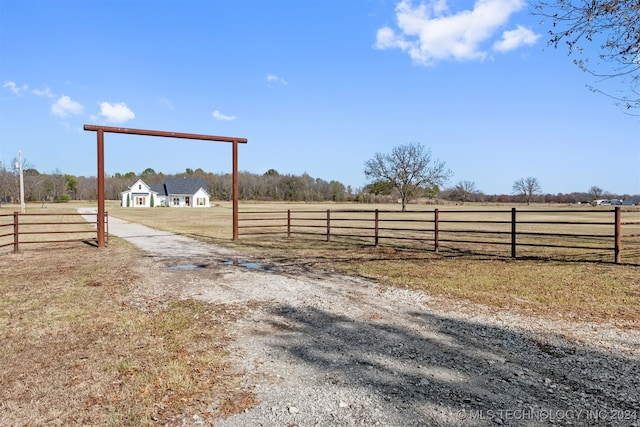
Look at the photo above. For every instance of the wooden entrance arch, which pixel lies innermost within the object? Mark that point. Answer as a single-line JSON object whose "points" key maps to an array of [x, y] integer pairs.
{"points": [[100, 130]]}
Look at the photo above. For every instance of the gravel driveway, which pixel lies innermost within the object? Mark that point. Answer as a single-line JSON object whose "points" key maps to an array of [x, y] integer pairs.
{"points": [[322, 349]]}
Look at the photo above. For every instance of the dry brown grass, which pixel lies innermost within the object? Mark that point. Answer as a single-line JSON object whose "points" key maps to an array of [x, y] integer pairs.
{"points": [[75, 351]]}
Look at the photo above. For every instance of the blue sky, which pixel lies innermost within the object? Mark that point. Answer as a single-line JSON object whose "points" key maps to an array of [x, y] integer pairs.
{"points": [[315, 86]]}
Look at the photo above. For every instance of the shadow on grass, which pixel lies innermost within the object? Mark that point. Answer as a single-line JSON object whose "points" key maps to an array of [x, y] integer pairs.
{"points": [[434, 369]]}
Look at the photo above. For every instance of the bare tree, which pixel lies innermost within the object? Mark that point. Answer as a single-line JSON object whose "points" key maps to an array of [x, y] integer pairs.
{"points": [[463, 189], [595, 192], [409, 169], [527, 188], [8, 184], [615, 25]]}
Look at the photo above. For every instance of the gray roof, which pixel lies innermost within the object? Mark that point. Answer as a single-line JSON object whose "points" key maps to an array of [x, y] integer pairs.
{"points": [[186, 186], [158, 188]]}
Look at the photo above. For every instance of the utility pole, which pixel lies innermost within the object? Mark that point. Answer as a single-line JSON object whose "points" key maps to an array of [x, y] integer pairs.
{"points": [[21, 172]]}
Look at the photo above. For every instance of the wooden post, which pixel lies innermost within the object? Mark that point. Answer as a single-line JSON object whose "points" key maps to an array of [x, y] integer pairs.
{"points": [[235, 189], [328, 225], [288, 223], [617, 248], [513, 232], [100, 220], [436, 227], [16, 239], [377, 228]]}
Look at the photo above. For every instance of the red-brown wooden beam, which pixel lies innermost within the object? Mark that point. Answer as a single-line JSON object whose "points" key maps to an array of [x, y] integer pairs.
{"points": [[102, 129]]}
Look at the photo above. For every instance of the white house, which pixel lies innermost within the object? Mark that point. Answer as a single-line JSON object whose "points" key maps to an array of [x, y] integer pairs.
{"points": [[175, 192]]}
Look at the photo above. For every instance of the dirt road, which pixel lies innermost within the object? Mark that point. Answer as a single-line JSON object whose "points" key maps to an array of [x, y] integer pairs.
{"points": [[329, 350]]}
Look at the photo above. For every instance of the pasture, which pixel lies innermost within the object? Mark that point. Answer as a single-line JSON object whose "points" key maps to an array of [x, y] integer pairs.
{"points": [[79, 347]]}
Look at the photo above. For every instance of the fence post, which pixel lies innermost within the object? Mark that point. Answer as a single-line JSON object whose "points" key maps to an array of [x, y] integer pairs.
{"points": [[328, 225], [513, 232], [106, 226], [16, 239], [617, 248], [288, 223], [376, 225], [436, 229]]}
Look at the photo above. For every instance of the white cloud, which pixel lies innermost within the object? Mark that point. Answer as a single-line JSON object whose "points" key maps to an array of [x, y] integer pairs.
{"points": [[430, 32], [13, 87], [46, 92], [65, 106], [116, 113], [274, 78], [515, 38], [219, 116]]}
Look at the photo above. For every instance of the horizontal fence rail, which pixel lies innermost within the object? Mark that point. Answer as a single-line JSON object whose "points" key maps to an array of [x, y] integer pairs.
{"points": [[17, 229], [523, 232]]}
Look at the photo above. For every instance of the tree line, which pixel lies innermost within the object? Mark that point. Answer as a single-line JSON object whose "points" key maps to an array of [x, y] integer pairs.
{"points": [[274, 186], [61, 187]]}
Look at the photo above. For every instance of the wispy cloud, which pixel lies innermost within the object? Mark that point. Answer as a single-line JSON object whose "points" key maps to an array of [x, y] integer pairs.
{"points": [[46, 93], [13, 87], [116, 113], [430, 32], [273, 78], [168, 104], [65, 106], [219, 116]]}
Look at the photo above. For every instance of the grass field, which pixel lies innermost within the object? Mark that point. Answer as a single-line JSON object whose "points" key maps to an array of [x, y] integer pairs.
{"points": [[76, 351]]}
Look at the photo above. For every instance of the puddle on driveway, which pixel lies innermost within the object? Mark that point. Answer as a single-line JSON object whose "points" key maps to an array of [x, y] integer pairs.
{"points": [[234, 262], [251, 265], [186, 267]]}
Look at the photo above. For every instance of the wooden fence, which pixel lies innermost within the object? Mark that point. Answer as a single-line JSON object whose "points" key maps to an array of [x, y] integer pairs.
{"points": [[545, 233], [18, 229]]}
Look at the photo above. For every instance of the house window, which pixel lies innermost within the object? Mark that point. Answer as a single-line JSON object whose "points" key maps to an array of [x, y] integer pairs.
{"points": [[176, 201], [139, 186], [141, 201], [200, 201]]}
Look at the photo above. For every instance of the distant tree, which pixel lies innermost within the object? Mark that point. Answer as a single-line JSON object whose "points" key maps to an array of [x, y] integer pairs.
{"points": [[31, 172], [272, 172], [128, 200], [337, 191], [71, 184], [462, 190], [527, 188], [381, 187], [151, 202], [409, 169], [432, 192], [614, 25], [189, 171], [595, 192], [147, 172], [7, 183], [130, 175]]}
